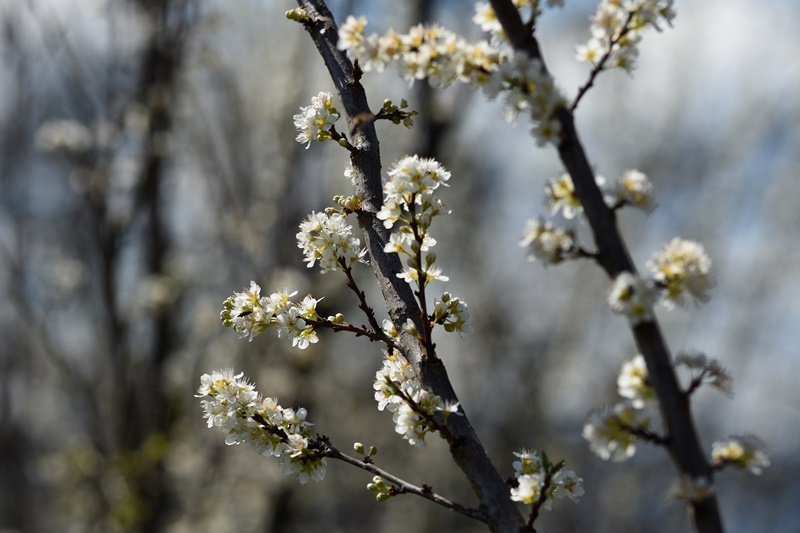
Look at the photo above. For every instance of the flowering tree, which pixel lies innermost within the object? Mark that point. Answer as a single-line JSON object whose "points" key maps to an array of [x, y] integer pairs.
{"points": [[395, 217]]}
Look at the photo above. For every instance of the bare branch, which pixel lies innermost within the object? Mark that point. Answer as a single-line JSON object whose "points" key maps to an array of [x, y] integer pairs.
{"points": [[400, 486]]}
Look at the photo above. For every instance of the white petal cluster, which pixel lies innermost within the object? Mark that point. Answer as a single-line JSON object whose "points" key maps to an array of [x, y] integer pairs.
{"points": [[609, 431], [683, 269], [409, 198], [548, 243], [743, 452], [633, 383], [245, 417], [637, 190], [528, 489], [398, 390], [248, 313], [560, 195], [617, 28], [530, 90], [314, 122], [442, 57], [531, 473], [634, 189], [452, 313], [633, 297], [424, 52], [705, 370], [328, 239]]}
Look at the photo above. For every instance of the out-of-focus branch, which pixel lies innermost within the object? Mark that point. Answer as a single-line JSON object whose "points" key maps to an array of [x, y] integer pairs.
{"points": [[465, 447], [682, 440]]}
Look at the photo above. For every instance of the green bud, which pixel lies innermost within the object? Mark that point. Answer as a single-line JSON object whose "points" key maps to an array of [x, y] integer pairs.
{"points": [[298, 15]]}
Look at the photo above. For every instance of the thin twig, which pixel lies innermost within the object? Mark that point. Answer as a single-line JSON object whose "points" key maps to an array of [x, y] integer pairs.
{"points": [[601, 64], [400, 486]]}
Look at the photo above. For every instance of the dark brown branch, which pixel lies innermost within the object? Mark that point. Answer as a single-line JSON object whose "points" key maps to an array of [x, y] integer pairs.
{"points": [[399, 485], [465, 447], [682, 440]]}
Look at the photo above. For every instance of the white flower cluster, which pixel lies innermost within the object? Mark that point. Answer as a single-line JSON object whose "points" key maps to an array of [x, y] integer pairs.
{"points": [[249, 314], [327, 240], [245, 417], [704, 370], [443, 58], [409, 198], [617, 27], [683, 269], [633, 297], [552, 244], [634, 189], [452, 313], [743, 452], [548, 243], [530, 471], [608, 431], [314, 122], [398, 390]]}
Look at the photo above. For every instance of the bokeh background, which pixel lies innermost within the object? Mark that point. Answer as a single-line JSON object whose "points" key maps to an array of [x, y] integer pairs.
{"points": [[148, 169]]}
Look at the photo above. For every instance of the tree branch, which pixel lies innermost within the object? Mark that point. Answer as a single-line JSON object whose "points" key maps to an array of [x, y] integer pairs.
{"points": [[682, 440], [465, 447], [400, 486]]}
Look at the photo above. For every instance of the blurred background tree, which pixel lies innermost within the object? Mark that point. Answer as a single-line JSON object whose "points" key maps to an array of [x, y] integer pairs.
{"points": [[149, 168]]}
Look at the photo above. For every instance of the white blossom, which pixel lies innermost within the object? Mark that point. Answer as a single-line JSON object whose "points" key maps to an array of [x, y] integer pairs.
{"points": [[548, 243], [398, 390], [608, 431], [314, 122], [327, 239], [452, 313], [233, 405], [633, 382], [684, 270], [633, 297], [743, 452]]}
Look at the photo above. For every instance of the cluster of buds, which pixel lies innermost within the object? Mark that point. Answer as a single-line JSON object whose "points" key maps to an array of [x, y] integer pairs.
{"points": [[245, 417]]}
